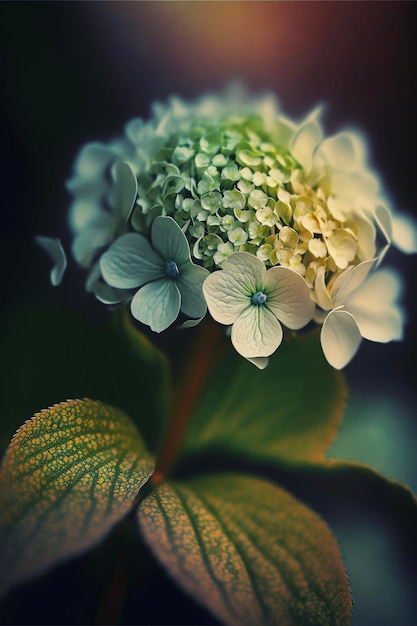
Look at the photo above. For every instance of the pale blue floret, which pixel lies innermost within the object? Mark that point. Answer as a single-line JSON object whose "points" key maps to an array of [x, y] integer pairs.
{"points": [[259, 298], [166, 279]]}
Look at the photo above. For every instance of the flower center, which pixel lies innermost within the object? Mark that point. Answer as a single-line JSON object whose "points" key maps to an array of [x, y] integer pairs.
{"points": [[171, 270], [259, 298]]}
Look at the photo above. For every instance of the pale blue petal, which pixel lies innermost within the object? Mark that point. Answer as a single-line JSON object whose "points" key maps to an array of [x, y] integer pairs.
{"points": [[84, 212], [131, 262], [256, 333], [124, 190], [169, 240], [92, 238], [93, 159], [157, 304], [340, 338], [190, 283], [103, 292], [190, 323], [56, 253]]}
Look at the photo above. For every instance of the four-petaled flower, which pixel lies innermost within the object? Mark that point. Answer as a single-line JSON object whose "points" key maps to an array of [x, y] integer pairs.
{"points": [[168, 281], [255, 300]]}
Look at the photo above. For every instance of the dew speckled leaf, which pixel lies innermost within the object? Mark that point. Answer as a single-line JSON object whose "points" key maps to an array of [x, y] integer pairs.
{"points": [[248, 551], [288, 412], [69, 474]]}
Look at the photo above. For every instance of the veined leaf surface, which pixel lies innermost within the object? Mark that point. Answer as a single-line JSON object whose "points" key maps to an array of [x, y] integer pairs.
{"points": [[288, 412], [69, 474], [249, 551]]}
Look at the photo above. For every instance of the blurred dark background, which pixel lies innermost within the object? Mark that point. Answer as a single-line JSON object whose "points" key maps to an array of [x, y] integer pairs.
{"points": [[73, 72]]}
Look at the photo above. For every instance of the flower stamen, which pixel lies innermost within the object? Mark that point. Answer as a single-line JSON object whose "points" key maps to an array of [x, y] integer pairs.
{"points": [[171, 270], [259, 298]]}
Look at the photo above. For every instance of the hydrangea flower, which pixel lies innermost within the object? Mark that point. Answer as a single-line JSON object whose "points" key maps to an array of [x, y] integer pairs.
{"points": [[235, 176], [255, 301], [168, 280]]}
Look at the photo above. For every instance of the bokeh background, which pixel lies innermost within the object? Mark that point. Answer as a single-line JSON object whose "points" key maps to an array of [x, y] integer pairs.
{"points": [[73, 72]]}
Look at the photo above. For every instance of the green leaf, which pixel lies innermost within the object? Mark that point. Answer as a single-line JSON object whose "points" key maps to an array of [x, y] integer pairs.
{"points": [[69, 474], [288, 412], [54, 353], [246, 549]]}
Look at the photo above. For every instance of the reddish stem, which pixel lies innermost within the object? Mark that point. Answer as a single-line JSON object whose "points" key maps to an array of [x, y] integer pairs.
{"points": [[207, 350]]}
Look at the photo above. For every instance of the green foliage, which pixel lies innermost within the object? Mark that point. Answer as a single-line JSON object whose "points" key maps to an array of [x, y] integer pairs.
{"points": [[53, 354], [288, 412], [70, 473], [249, 551]]}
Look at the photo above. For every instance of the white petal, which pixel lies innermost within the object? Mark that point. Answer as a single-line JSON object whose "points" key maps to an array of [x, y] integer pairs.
{"points": [[124, 190], [157, 304], [343, 151], [169, 240], [288, 297], [131, 262], [404, 233], [190, 283], [340, 338], [225, 298], [256, 332], [56, 253], [247, 269], [348, 281], [260, 362], [305, 141], [374, 307], [320, 294]]}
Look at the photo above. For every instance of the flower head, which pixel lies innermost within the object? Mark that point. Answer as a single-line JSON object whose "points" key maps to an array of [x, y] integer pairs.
{"points": [[168, 281], [241, 188], [255, 301]]}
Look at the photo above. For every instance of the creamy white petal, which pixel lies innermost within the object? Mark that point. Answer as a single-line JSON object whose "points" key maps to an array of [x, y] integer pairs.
{"points": [[340, 338], [157, 304], [260, 362], [224, 295], [404, 233], [374, 307], [340, 151], [247, 269], [169, 240], [305, 141], [320, 294], [256, 332], [56, 253], [288, 297], [350, 280], [190, 283], [131, 262]]}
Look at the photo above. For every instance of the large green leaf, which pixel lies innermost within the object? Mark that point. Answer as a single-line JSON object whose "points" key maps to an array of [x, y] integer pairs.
{"points": [[249, 551], [288, 412], [53, 353], [70, 473]]}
